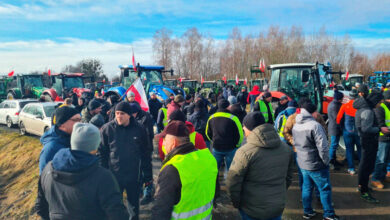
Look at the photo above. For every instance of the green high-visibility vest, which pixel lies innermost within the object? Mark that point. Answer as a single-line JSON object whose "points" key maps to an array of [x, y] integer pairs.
{"points": [[192, 140], [231, 116], [165, 119], [198, 174], [387, 117], [281, 128], [264, 110]]}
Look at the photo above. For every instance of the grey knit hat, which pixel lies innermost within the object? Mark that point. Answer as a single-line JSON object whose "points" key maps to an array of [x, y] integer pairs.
{"points": [[85, 137]]}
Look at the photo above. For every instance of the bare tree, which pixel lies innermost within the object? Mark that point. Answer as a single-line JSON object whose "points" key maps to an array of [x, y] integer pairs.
{"points": [[192, 50], [162, 47]]}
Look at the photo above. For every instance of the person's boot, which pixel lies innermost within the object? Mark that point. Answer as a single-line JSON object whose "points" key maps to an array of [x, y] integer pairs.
{"points": [[148, 194], [377, 184], [368, 198]]}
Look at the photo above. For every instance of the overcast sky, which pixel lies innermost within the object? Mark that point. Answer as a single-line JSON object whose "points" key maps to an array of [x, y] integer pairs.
{"points": [[41, 34]]}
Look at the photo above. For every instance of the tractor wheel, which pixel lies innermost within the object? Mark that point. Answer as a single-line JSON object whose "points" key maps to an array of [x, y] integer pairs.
{"points": [[11, 95]]}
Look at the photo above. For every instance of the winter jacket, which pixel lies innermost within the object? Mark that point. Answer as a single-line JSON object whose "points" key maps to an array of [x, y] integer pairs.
{"points": [[347, 114], [279, 109], [260, 174], [287, 132], [251, 99], [74, 186], [237, 110], [123, 150], [199, 141], [223, 132], [168, 189], [365, 120], [310, 142], [279, 119], [199, 120], [85, 115], [271, 115], [242, 98], [173, 107], [154, 106], [160, 120], [333, 128], [52, 141], [380, 115]]}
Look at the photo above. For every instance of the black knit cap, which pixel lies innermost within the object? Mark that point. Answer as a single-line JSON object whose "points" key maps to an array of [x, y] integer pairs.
{"points": [[124, 107], [63, 114], [93, 104], [175, 128], [223, 104], [177, 115], [252, 120], [364, 89]]}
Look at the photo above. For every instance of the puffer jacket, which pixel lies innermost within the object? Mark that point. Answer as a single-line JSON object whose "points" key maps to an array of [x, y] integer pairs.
{"points": [[365, 120], [260, 174], [310, 142], [287, 132]]}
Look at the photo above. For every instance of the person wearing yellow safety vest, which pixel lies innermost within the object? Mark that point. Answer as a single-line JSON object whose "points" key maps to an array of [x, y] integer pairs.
{"points": [[281, 119], [382, 114], [162, 116], [187, 180], [265, 107], [224, 130], [195, 138]]}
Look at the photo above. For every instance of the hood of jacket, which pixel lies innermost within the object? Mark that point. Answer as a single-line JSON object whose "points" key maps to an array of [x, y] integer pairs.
{"points": [[190, 127], [303, 117], [70, 166], [264, 136], [360, 103], [255, 90], [55, 135], [290, 110]]}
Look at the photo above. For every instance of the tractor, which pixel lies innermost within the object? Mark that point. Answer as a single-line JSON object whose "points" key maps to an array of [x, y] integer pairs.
{"points": [[189, 86], [151, 77], [25, 86], [380, 79], [208, 89], [175, 86], [259, 78], [67, 85], [352, 80], [3, 87]]}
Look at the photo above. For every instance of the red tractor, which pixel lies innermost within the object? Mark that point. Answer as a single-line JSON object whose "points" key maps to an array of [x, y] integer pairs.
{"points": [[67, 85]]}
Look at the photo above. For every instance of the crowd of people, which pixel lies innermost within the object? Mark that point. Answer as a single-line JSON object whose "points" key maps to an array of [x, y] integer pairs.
{"points": [[100, 148]]}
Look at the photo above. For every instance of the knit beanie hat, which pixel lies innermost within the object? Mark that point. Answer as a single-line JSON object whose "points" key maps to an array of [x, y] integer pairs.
{"points": [[374, 98], [85, 137], [253, 119], [124, 107], [97, 120], [338, 96], [177, 115], [63, 114], [135, 107], [93, 104], [223, 104]]}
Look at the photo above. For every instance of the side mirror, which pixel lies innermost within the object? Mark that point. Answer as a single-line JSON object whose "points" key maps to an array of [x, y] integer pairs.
{"points": [[39, 117], [305, 76]]}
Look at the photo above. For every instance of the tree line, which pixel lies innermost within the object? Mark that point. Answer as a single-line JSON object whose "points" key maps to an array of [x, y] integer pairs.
{"points": [[194, 54]]}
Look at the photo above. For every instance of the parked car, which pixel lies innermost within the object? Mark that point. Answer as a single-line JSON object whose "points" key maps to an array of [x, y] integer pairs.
{"points": [[35, 118], [10, 109]]}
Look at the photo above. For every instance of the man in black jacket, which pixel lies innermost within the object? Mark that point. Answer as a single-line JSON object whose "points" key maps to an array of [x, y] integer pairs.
{"points": [[77, 170], [124, 150], [368, 130], [154, 106]]}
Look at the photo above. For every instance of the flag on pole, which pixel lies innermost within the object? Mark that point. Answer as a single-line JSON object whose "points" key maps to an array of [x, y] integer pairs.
{"points": [[48, 72], [180, 79], [133, 60], [224, 79], [347, 75], [11, 73], [245, 81], [138, 89], [237, 80], [260, 65], [201, 80]]}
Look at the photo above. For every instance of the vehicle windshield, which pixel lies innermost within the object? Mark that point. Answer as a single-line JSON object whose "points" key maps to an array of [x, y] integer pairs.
{"points": [[146, 76], [170, 82], [189, 84], [208, 85], [32, 81], [49, 110], [73, 82], [22, 104], [288, 81]]}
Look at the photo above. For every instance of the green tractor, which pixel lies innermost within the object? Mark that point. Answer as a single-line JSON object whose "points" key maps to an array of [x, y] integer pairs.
{"points": [[209, 90], [25, 86], [3, 87], [259, 78], [189, 86]]}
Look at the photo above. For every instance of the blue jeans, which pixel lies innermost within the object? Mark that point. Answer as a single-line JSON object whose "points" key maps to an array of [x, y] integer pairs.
{"points": [[244, 216], [228, 156], [300, 178], [322, 181], [382, 160], [334, 144], [350, 140]]}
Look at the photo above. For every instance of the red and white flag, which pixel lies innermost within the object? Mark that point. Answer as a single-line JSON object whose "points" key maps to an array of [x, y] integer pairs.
{"points": [[48, 72], [201, 80], [347, 75], [237, 80], [180, 79], [102, 91], [138, 89], [260, 65], [11, 73], [224, 79], [133, 60], [245, 81]]}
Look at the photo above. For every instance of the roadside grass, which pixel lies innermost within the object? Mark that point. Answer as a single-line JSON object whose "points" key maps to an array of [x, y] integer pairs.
{"points": [[18, 174]]}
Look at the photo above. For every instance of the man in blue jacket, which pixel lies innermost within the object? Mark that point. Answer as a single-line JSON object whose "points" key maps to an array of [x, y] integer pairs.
{"points": [[58, 136]]}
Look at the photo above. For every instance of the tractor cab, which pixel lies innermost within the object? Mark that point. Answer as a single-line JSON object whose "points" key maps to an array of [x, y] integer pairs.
{"points": [[209, 90], [380, 79], [26, 86], [257, 77], [189, 86], [352, 80]]}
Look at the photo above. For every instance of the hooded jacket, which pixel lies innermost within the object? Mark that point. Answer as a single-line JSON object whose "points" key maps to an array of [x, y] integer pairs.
{"points": [[52, 141], [74, 186], [253, 94], [123, 150], [199, 141], [333, 128], [365, 120], [260, 174], [347, 112], [310, 142]]}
